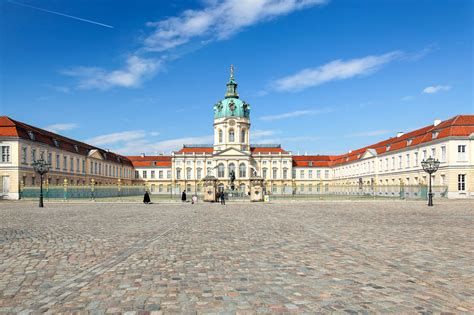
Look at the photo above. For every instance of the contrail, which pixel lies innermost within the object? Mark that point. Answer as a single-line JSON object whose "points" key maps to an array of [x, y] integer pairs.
{"points": [[61, 14]]}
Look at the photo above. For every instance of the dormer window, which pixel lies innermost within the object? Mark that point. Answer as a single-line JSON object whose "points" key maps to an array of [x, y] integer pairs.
{"points": [[435, 134], [31, 135], [56, 143], [358, 156], [76, 148], [388, 147], [310, 163], [409, 141], [118, 159]]}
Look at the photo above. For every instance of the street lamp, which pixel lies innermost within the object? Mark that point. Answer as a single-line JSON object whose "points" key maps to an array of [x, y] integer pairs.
{"points": [[430, 166], [41, 167]]}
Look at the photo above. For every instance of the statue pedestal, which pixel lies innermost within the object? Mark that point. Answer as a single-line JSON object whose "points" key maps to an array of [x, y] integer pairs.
{"points": [[256, 189], [210, 188]]}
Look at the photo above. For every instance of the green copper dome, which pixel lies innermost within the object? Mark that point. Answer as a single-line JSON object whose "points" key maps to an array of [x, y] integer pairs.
{"points": [[231, 106]]}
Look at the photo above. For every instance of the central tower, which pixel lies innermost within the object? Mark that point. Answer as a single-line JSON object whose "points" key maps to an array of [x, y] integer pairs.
{"points": [[231, 120]]}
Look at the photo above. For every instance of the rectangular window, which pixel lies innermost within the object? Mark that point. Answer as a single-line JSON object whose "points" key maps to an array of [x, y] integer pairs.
{"points": [[461, 152], [160, 174], [137, 174], [178, 173], [144, 174], [310, 187], [424, 154], [5, 154], [433, 153], [443, 154], [302, 174], [168, 174], [407, 162], [461, 182], [50, 158], [393, 162], [275, 173], [24, 155], [58, 162], [71, 164], [264, 173], [199, 173], [152, 174], [399, 161], [326, 174], [285, 173], [33, 155], [310, 174], [83, 166], [416, 158], [318, 174], [293, 173], [65, 163]]}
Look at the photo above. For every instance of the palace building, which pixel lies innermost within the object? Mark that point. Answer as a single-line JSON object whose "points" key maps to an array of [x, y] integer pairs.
{"points": [[381, 168]]}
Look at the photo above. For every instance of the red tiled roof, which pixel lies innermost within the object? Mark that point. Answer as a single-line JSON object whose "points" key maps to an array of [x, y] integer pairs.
{"points": [[461, 125], [313, 160], [267, 150], [13, 128], [149, 161], [196, 150]]}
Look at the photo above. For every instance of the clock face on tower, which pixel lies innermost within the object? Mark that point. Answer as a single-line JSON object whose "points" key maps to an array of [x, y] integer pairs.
{"points": [[231, 123]]}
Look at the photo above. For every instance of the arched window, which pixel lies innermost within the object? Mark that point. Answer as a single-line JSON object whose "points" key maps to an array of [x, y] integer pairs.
{"points": [[242, 170], [221, 136], [242, 136], [231, 135], [220, 170], [242, 188], [231, 168]]}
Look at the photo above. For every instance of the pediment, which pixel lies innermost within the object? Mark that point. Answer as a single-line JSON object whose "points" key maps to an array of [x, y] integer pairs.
{"points": [[231, 152], [95, 154], [369, 153]]}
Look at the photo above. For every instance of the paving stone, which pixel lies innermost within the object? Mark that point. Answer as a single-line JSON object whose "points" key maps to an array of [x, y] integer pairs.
{"points": [[304, 258]]}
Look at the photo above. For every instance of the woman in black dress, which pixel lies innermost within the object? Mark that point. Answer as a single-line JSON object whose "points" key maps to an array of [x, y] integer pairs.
{"points": [[146, 198], [183, 196]]}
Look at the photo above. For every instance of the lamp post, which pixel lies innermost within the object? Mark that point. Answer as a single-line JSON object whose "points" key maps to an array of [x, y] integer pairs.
{"points": [[41, 167], [430, 166]]}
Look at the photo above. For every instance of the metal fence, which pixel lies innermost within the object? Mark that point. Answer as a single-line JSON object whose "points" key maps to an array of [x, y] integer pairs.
{"points": [[355, 191], [274, 191], [81, 192]]}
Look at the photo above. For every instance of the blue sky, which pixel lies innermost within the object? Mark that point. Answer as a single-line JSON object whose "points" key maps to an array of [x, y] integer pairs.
{"points": [[321, 76]]}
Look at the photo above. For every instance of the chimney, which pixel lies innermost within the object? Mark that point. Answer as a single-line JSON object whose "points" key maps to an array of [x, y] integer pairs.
{"points": [[143, 155], [437, 122], [400, 133]]}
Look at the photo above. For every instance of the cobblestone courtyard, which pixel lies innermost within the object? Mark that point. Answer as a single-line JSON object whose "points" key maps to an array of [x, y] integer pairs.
{"points": [[344, 257]]}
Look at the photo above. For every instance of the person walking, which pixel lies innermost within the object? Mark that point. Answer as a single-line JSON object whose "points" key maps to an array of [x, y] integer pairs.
{"points": [[194, 199], [222, 198], [183, 196], [146, 198]]}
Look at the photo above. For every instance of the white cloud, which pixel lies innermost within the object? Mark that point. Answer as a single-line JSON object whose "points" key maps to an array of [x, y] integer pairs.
{"points": [[148, 147], [116, 137], [219, 20], [372, 133], [136, 70], [334, 70], [256, 134], [436, 89], [61, 127], [407, 98], [296, 114]]}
